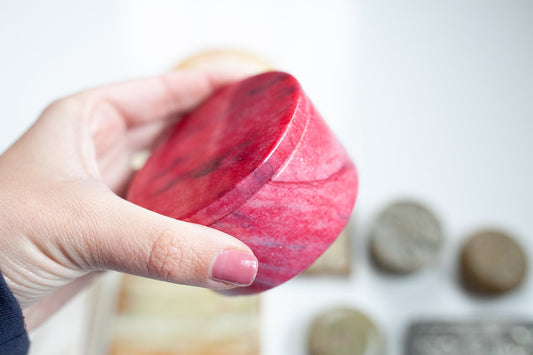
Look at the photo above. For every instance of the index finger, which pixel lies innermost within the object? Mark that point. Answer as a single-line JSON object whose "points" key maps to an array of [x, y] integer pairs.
{"points": [[157, 98]]}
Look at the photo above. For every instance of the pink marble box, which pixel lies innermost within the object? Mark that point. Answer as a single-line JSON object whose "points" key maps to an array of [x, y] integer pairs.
{"points": [[257, 161]]}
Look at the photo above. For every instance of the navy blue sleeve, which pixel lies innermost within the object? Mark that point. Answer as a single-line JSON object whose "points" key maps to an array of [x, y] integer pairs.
{"points": [[13, 337]]}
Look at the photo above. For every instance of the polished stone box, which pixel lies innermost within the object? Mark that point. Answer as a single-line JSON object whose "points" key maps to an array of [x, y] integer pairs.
{"points": [[257, 161]]}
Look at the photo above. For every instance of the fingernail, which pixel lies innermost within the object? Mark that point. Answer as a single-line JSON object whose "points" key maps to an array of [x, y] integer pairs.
{"points": [[234, 267]]}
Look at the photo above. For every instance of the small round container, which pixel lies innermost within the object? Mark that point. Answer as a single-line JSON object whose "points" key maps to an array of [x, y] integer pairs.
{"points": [[256, 161]]}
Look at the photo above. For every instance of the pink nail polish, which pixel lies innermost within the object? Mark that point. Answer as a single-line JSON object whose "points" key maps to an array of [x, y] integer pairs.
{"points": [[234, 267]]}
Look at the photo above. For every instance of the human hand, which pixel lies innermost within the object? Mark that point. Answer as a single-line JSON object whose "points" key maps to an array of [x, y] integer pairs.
{"points": [[63, 218]]}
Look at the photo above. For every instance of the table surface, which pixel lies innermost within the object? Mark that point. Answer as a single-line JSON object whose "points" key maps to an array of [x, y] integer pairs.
{"points": [[433, 100]]}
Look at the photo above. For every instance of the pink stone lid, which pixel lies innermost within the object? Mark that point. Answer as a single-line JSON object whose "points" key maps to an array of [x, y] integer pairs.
{"points": [[223, 152]]}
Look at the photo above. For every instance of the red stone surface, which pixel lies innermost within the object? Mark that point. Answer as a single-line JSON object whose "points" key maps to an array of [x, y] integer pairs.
{"points": [[256, 161]]}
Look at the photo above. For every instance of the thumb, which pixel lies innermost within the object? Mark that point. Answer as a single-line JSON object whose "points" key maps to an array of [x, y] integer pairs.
{"points": [[125, 237]]}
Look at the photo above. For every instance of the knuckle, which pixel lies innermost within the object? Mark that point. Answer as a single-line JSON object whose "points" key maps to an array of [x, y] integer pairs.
{"points": [[63, 104], [77, 106], [167, 257]]}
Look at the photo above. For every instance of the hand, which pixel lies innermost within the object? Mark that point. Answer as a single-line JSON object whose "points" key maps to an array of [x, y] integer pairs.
{"points": [[63, 218]]}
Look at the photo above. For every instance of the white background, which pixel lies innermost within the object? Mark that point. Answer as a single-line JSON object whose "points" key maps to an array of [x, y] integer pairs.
{"points": [[433, 100]]}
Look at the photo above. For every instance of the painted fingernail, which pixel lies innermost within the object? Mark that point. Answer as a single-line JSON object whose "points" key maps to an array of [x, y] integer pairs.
{"points": [[234, 267]]}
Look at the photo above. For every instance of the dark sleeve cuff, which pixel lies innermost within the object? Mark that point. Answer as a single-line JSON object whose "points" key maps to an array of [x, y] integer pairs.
{"points": [[13, 336], [17, 346]]}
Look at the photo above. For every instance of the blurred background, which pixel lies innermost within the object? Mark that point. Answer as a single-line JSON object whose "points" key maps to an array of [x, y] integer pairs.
{"points": [[433, 100]]}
